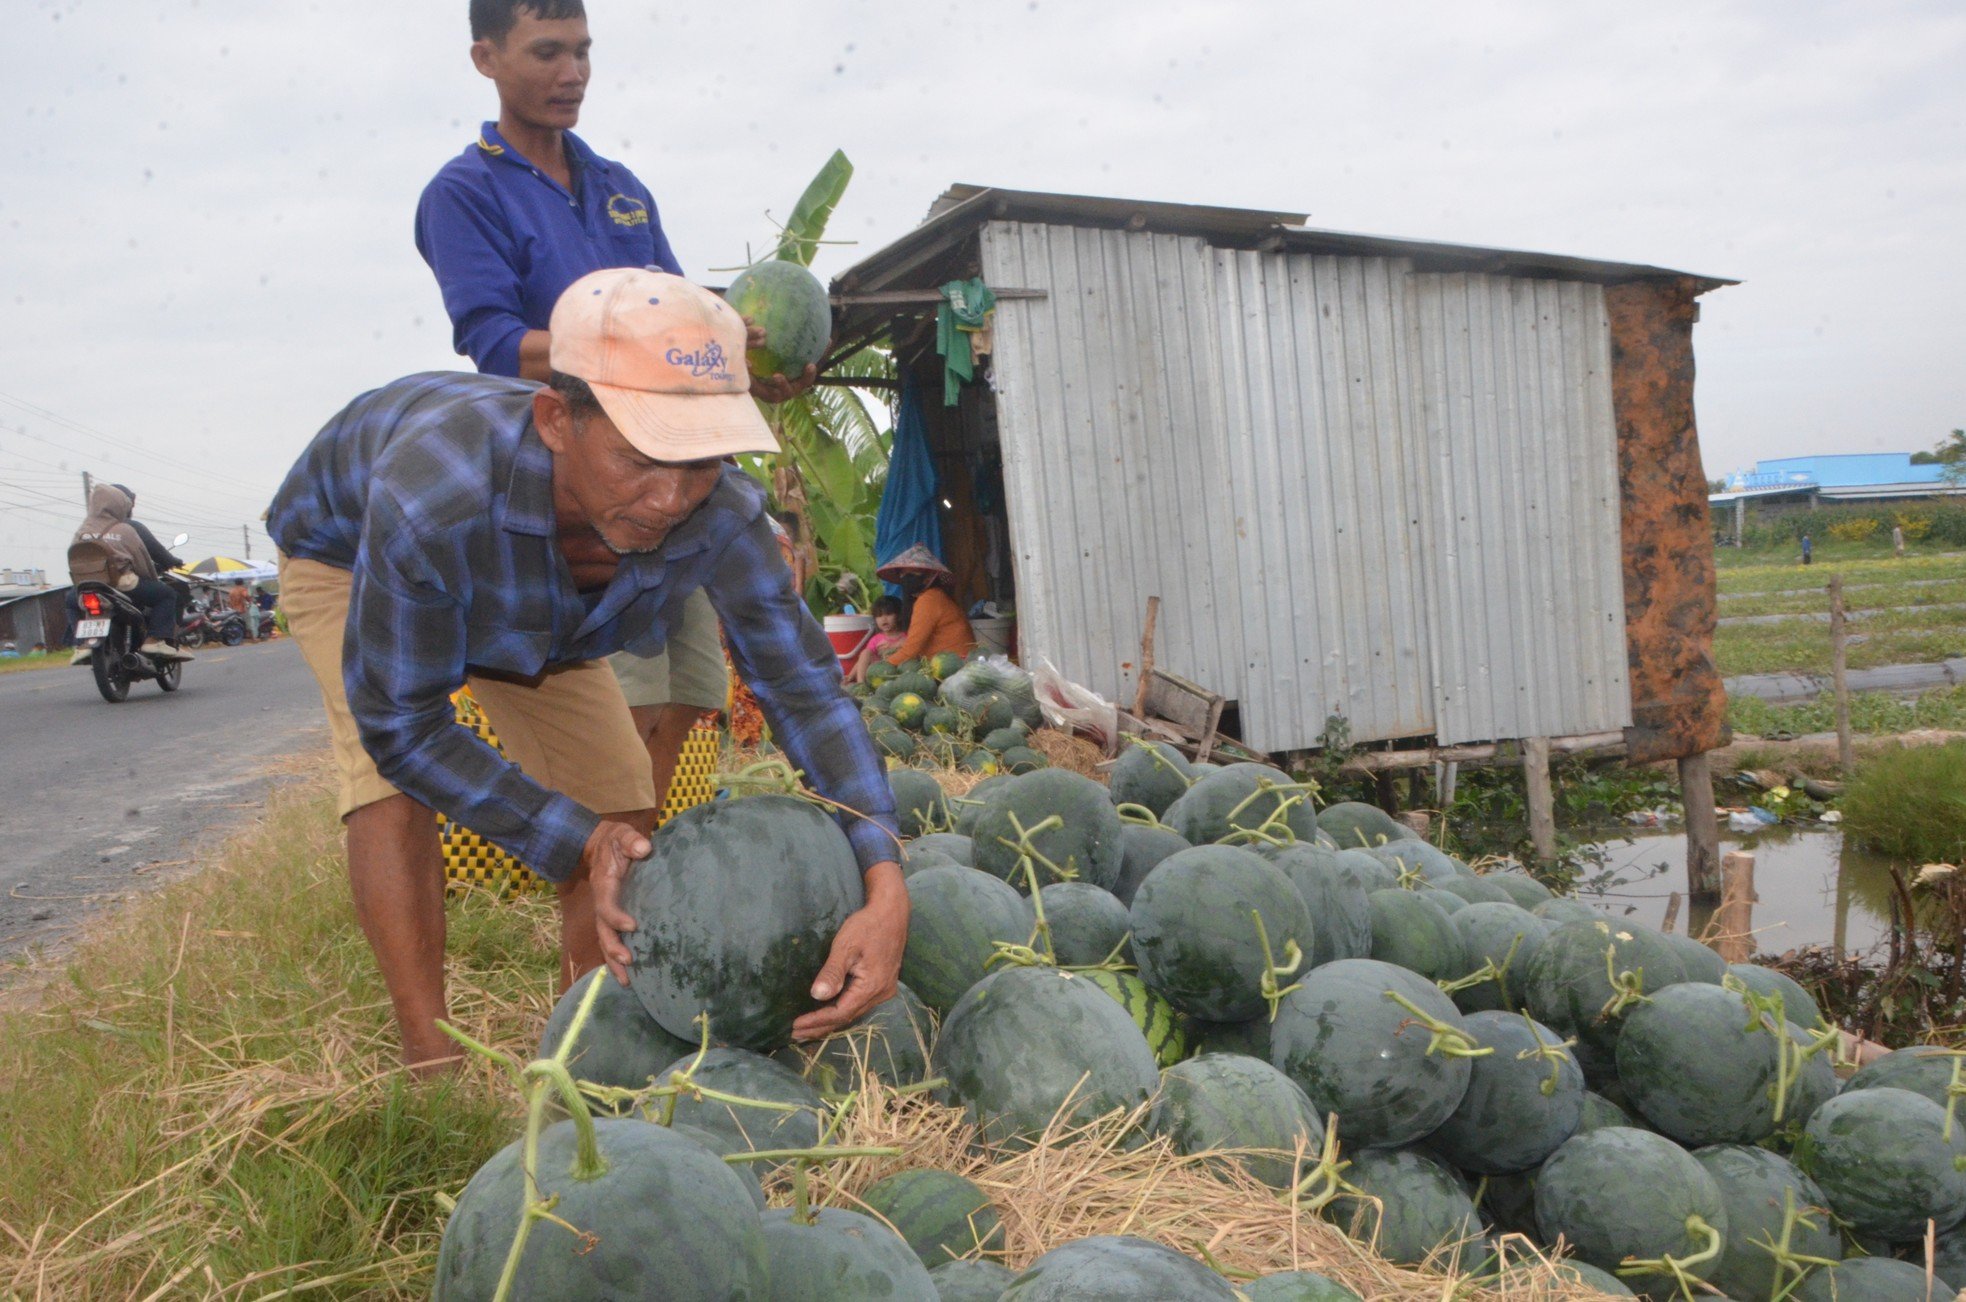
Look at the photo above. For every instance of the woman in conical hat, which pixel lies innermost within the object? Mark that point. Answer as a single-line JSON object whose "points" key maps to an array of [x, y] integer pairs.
{"points": [[935, 622]]}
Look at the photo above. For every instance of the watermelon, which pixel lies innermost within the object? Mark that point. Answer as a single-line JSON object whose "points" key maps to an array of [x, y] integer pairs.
{"points": [[1475, 890], [1416, 933], [1798, 1005], [968, 809], [791, 305], [1336, 896], [1024, 1041], [1616, 1193], [994, 712], [1698, 961], [970, 1281], [1085, 847], [1600, 1113], [1196, 935], [1572, 1272], [1240, 797], [1087, 924], [1166, 1031], [711, 1247], [979, 761], [941, 1215], [880, 673], [1865, 1279], [1887, 1161], [1354, 825], [723, 1143], [620, 1045], [896, 744], [913, 682], [1110, 1268], [1500, 937], [919, 805], [1002, 739], [909, 710], [944, 721], [1141, 851], [1372, 874], [1922, 1069], [1523, 1101], [1298, 1286], [1525, 890], [1359, 1052], [890, 1042], [942, 664], [1227, 1101], [1446, 901], [1412, 1206], [1566, 908], [1022, 759], [959, 915], [1251, 1037], [1151, 774], [914, 861], [1417, 859], [1700, 1065], [958, 849], [1567, 985], [833, 1253], [1759, 1187], [747, 1075], [736, 909]]}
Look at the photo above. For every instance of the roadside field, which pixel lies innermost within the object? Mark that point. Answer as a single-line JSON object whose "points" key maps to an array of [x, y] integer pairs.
{"points": [[1912, 610], [44, 660]]}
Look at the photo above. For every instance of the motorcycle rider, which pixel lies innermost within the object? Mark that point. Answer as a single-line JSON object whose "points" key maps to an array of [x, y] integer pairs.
{"points": [[111, 529]]}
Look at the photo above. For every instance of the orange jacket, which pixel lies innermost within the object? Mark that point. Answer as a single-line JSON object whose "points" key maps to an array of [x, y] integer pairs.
{"points": [[935, 625]]}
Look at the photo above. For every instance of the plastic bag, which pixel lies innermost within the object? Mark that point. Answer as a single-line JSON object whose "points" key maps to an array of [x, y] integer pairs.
{"points": [[1075, 709], [986, 676]]}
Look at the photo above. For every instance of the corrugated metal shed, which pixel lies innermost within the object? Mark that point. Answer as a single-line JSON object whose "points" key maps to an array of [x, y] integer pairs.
{"points": [[1368, 478]]}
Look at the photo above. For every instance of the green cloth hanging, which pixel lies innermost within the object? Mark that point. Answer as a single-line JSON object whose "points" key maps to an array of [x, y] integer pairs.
{"points": [[965, 309]]}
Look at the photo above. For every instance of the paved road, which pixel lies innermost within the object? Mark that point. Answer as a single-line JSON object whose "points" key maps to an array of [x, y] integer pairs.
{"points": [[90, 792]]}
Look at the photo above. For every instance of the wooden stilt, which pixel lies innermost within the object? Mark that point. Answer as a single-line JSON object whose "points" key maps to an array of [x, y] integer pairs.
{"points": [[1542, 800], [1838, 668], [1702, 829], [1734, 921]]}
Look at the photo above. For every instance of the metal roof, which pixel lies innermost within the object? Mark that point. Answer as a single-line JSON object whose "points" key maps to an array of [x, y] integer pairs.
{"points": [[1849, 470], [963, 209]]}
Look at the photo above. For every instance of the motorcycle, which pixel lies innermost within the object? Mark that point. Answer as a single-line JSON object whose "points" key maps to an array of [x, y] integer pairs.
{"points": [[111, 629], [194, 628]]}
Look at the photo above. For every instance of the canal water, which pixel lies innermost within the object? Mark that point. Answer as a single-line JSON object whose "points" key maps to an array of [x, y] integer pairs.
{"points": [[1813, 889]]}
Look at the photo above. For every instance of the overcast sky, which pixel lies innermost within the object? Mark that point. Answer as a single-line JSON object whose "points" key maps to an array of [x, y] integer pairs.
{"points": [[205, 205]]}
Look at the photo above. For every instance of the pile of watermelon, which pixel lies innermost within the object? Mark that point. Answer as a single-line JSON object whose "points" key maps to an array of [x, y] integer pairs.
{"points": [[945, 710], [1432, 1058]]}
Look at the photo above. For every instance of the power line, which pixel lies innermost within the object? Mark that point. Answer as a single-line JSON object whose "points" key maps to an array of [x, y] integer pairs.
{"points": [[205, 487], [59, 419]]}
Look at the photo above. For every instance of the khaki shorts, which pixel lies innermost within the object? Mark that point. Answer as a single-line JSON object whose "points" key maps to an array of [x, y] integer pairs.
{"points": [[691, 671], [569, 729]]}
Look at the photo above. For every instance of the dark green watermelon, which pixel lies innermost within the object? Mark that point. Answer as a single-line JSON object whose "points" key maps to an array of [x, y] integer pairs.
{"points": [[1237, 798], [1476, 890], [1567, 986], [1601, 1113], [1413, 1207], [1025, 1040], [941, 1215], [1149, 773], [1000, 740], [919, 805], [1086, 846], [1360, 1053], [890, 1042], [1525, 890], [1087, 923], [840, 1254], [1446, 901], [620, 1045], [1571, 1272], [1560, 909], [1110, 1268], [947, 844], [1700, 1065], [1798, 1005], [1699, 961], [1949, 1257], [711, 1247], [1251, 1037], [1019, 760], [1887, 1161], [1355, 825], [1415, 933], [1614, 1194], [746, 1075], [1922, 1068], [1336, 895], [724, 1144], [1227, 1101], [970, 1281], [1141, 850], [959, 916], [1417, 859], [914, 861], [966, 809], [1759, 1187], [1372, 874], [735, 910], [1166, 1031], [1196, 936], [1501, 937], [1523, 1101], [1866, 1279], [1298, 1286]]}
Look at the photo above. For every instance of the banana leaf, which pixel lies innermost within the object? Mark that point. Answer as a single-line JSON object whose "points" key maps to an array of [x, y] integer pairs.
{"points": [[807, 224]]}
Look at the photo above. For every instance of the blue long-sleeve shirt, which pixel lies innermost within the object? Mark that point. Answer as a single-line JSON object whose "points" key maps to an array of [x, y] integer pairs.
{"points": [[505, 239], [437, 493]]}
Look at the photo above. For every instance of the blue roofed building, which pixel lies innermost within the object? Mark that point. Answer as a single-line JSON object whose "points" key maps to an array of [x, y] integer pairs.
{"points": [[1841, 477]]}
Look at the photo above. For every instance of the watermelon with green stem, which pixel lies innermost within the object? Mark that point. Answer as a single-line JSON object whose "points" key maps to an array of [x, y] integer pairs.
{"points": [[620, 1044], [1335, 894], [1414, 932], [1921, 1068], [1798, 1005], [1141, 850], [1218, 931], [1778, 1221], [1522, 1102], [1409, 1207], [1150, 774], [1113, 1268], [1588, 975], [1703, 1066], [920, 807], [1888, 1161], [1062, 820], [1256, 1115], [1634, 1203], [778, 1109], [959, 918], [1244, 799], [1499, 942], [1088, 925]]}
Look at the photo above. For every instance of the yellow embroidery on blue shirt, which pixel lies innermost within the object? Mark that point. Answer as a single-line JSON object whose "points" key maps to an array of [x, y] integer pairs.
{"points": [[626, 211]]}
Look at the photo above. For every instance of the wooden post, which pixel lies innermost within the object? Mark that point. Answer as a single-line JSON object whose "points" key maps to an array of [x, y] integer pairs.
{"points": [[1671, 922], [1735, 919], [1702, 829], [1146, 658], [1542, 801], [1839, 672]]}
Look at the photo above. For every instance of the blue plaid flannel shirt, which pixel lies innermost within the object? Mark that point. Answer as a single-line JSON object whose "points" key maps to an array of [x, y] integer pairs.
{"points": [[437, 493]]}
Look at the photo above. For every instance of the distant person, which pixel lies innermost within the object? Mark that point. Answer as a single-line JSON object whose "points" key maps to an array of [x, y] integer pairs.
{"points": [[239, 600], [1808, 548], [113, 549], [527, 209], [1898, 541], [887, 635], [935, 622]]}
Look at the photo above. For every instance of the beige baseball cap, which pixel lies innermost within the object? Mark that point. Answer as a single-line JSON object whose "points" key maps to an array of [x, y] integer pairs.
{"points": [[665, 358]]}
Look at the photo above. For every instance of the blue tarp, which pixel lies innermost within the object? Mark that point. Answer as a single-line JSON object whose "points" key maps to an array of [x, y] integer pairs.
{"points": [[909, 499]]}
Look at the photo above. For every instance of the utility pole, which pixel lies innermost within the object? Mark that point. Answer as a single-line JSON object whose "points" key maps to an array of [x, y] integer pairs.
{"points": [[88, 489], [246, 536]]}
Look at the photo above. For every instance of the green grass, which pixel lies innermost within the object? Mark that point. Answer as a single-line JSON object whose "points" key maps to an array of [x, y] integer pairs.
{"points": [[1871, 713], [1766, 572], [1911, 803], [1899, 638], [30, 660], [208, 1091], [1869, 596]]}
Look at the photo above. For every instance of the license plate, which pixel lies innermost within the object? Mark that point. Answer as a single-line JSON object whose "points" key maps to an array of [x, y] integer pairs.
{"points": [[89, 628]]}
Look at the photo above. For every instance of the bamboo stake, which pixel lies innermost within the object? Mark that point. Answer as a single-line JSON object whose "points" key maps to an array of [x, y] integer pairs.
{"points": [[1839, 664]]}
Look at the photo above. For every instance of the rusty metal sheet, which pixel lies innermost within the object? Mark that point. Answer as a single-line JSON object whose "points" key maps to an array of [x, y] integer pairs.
{"points": [[1679, 705]]}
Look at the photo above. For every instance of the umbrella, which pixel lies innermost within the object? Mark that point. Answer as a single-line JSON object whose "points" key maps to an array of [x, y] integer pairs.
{"points": [[916, 560], [219, 565]]}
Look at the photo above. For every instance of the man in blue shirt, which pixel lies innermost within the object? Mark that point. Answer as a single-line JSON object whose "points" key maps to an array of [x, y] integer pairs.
{"points": [[452, 527], [525, 211]]}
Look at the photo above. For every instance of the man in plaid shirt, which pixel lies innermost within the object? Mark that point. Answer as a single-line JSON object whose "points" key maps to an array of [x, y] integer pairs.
{"points": [[452, 527]]}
